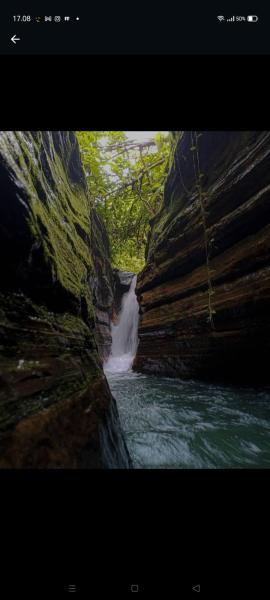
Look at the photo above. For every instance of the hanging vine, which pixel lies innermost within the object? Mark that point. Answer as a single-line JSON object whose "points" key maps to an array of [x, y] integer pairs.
{"points": [[201, 198], [126, 180]]}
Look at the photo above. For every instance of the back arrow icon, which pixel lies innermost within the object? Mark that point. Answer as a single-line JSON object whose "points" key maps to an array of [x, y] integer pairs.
{"points": [[197, 588], [14, 39]]}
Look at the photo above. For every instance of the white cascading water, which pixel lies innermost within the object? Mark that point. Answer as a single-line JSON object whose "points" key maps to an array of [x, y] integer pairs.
{"points": [[125, 333]]}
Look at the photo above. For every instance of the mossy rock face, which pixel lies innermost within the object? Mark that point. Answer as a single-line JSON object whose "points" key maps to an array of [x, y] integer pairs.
{"points": [[56, 409], [45, 219]]}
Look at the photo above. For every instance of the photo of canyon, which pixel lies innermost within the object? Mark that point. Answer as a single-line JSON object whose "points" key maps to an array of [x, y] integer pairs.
{"points": [[135, 300]]}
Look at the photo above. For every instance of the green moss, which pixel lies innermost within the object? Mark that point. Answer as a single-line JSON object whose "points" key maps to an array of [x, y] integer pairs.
{"points": [[58, 208], [45, 358]]}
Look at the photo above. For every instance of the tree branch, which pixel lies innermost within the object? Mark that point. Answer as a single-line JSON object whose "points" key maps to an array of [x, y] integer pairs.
{"points": [[136, 179], [128, 145]]}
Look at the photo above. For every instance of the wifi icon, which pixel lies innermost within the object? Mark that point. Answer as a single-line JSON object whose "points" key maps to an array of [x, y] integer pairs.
{"points": [[221, 18]]}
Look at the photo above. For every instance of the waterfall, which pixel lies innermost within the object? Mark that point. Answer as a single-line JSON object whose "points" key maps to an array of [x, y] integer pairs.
{"points": [[125, 333]]}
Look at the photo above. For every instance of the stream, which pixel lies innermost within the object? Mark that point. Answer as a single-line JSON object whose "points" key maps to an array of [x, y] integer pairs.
{"points": [[171, 423]]}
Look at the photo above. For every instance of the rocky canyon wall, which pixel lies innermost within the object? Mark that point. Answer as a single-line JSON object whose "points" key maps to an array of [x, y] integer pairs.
{"points": [[56, 409], [122, 282], [205, 291], [107, 286], [101, 284]]}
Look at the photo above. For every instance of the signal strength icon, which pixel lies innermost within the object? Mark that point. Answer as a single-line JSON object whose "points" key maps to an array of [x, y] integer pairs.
{"points": [[221, 18], [231, 19]]}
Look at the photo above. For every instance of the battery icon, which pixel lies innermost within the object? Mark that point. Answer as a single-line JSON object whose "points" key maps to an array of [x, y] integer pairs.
{"points": [[252, 18]]}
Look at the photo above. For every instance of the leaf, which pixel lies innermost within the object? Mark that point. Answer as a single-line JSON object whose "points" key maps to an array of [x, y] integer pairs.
{"points": [[126, 185]]}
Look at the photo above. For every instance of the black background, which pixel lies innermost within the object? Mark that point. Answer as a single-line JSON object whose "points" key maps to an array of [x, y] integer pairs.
{"points": [[166, 530]]}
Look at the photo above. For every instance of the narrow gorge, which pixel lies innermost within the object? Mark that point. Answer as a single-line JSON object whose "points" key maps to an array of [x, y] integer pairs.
{"points": [[198, 395], [112, 361]]}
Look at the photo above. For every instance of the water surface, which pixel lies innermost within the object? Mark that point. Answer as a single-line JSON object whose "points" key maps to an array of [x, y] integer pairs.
{"points": [[170, 423]]}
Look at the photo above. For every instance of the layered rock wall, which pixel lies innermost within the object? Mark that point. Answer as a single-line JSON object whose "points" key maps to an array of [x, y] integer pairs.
{"points": [[122, 283], [101, 284], [56, 409], [107, 285], [205, 291]]}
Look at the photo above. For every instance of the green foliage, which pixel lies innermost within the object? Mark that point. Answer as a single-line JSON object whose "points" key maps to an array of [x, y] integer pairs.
{"points": [[55, 220], [126, 181]]}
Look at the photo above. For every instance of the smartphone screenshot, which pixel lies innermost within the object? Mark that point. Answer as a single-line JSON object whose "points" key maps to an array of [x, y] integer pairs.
{"points": [[134, 300]]}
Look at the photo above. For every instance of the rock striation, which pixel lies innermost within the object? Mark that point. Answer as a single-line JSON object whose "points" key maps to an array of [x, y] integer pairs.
{"points": [[102, 285], [107, 285], [122, 282], [56, 409], [204, 293]]}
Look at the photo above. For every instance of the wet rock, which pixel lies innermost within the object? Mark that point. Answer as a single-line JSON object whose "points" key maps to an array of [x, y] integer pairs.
{"points": [[101, 284], [107, 285], [122, 282], [205, 290], [56, 408]]}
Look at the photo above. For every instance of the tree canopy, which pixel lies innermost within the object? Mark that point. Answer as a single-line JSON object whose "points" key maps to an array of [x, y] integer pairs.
{"points": [[126, 180]]}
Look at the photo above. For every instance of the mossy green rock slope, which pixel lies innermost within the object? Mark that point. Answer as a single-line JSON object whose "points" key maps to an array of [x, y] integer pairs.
{"points": [[56, 409]]}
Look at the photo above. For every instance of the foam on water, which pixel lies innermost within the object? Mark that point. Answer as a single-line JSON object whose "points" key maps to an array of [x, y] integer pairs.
{"points": [[124, 334], [169, 423]]}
